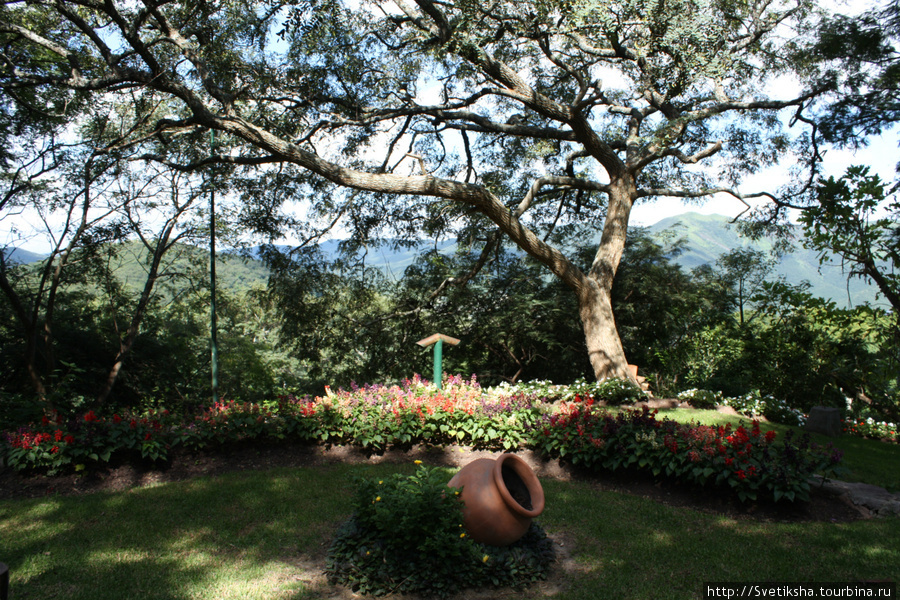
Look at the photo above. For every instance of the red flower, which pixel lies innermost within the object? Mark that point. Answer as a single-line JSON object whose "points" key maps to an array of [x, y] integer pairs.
{"points": [[58, 436], [147, 437], [728, 462], [741, 475], [117, 419], [45, 420], [69, 439], [54, 449], [90, 417], [770, 435]]}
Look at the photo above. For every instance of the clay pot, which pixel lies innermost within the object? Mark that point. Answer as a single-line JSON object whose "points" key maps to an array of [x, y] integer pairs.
{"points": [[501, 498]]}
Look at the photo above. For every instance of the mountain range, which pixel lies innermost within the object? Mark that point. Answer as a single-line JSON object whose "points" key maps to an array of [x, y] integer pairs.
{"points": [[710, 236], [707, 238]]}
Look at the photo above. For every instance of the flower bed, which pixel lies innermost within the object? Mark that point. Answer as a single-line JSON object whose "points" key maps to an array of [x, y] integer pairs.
{"points": [[872, 429], [746, 461], [378, 417]]}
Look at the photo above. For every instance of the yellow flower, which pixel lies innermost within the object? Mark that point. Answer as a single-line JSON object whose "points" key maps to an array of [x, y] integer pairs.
{"points": [[462, 535], [456, 493], [418, 462], [485, 559], [380, 482], [378, 499]]}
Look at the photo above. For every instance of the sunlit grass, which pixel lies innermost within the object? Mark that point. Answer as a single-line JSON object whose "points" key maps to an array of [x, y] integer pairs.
{"points": [[263, 535]]}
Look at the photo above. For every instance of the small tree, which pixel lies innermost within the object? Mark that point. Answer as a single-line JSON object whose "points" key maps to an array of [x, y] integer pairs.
{"points": [[858, 219]]}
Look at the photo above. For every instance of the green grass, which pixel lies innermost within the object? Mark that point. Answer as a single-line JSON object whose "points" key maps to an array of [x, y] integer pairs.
{"points": [[264, 535]]}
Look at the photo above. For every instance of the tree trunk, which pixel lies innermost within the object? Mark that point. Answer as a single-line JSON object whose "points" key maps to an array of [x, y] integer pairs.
{"points": [[604, 346], [595, 294], [126, 344]]}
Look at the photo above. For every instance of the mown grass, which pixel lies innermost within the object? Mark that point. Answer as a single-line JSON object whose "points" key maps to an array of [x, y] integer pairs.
{"points": [[264, 535]]}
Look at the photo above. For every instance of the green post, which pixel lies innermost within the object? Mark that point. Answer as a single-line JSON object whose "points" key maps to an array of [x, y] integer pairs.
{"points": [[437, 340], [214, 351], [438, 359]]}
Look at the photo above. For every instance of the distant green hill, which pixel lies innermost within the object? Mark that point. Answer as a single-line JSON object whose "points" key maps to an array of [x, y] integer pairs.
{"points": [[710, 236], [233, 272], [20, 256]]}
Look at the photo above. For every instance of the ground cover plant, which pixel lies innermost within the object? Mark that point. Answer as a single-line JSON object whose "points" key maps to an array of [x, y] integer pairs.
{"points": [[406, 535]]}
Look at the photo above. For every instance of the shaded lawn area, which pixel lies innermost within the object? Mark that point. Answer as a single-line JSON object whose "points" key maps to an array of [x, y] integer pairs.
{"points": [[264, 534]]}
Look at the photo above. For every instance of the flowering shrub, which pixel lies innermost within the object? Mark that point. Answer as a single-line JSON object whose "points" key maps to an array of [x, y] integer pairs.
{"points": [[703, 399], [229, 422], [611, 391], [754, 404], [745, 461], [376, 416], [406, 536], [870, 428], [56, 443]]}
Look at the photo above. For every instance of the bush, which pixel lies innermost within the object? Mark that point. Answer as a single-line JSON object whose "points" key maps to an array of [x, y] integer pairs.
{"points": [[870, 428], [702, 399], [406, 536], [613, 392], [754, 404], [377, 417], [743, 461], [616, 392]]}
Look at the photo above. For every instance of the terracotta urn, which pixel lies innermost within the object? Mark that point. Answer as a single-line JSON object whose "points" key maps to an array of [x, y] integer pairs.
{"points": [[501, 498]]}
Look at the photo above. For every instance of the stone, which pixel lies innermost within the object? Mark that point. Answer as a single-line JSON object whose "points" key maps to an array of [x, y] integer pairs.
{"points": [[869, 500], [825, 420]]}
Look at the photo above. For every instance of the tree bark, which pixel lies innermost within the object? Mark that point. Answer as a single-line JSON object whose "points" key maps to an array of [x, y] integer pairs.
{"points": [[605, 349], [600, 334]]}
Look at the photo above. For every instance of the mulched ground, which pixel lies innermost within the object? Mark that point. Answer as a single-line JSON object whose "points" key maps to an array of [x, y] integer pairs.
{"points": [[823, 505]]}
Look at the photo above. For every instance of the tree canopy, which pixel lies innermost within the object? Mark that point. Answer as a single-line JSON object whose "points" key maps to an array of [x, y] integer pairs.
{"points": [[538, 122]]}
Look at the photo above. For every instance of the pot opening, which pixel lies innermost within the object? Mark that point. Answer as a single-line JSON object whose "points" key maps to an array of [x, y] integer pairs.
{"points": [[516, 487]]}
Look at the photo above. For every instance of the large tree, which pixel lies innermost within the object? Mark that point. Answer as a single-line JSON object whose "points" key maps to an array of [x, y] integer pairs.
{"points": [[478, 119]]}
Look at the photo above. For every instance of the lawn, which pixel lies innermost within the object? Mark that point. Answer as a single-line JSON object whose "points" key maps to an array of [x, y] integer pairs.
{"points": [[263, 534]]}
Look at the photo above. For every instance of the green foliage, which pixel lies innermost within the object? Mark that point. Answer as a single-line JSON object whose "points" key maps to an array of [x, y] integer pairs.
{"points": [[858, 54], [856, 218], [613, 392], [406, 536], [702, 399], [870, 428], [744, 462]]}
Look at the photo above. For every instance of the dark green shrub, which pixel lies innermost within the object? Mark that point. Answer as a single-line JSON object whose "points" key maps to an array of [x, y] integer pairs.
{"points": [[702, 399], [616, 392], [406, 535]]}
